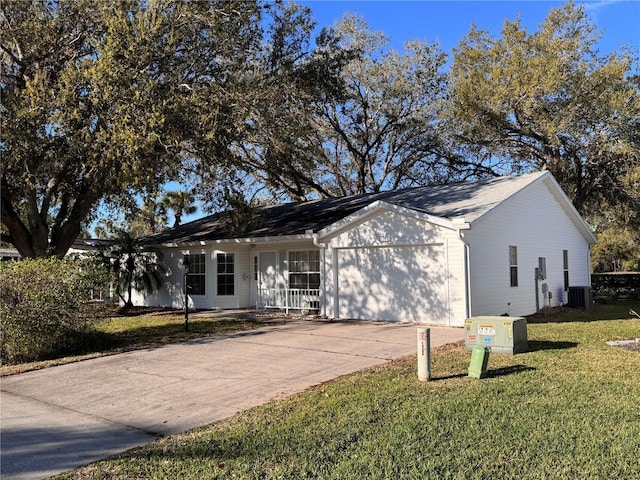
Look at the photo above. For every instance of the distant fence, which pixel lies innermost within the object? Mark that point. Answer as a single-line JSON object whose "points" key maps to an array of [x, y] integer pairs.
{"points": [[616, 285]]}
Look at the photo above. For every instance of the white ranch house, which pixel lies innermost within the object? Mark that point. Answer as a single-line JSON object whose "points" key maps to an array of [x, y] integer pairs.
{"points": [[438, 255]]}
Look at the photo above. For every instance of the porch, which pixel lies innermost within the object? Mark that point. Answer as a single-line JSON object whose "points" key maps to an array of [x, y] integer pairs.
{"points": [[288, 299]]}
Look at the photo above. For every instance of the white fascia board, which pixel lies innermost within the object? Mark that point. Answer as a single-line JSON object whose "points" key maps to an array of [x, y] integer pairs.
{"points": [[240, 241], [567, 205], [556, 190], [379, 206]]}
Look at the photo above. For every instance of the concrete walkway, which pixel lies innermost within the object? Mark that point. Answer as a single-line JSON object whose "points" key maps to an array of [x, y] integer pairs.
{"points": [[56, 419]]}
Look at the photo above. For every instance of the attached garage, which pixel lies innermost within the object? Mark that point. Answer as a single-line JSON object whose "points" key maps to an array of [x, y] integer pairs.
{"points": [[435, 254], [390, 263], [402, 283]]}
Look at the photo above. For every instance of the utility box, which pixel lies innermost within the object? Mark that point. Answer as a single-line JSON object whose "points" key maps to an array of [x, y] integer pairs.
{"points": [[479, 361], [499, 334]]}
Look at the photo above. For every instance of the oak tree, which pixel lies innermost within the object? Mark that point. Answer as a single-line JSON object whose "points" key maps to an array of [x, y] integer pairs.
{"points": [[106, 101], [549, 100], [375, 126]]}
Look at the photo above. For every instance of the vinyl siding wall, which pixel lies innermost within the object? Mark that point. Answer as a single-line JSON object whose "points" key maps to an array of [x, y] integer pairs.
{"points": [[172, 292], [534, 221], [390, 229]]}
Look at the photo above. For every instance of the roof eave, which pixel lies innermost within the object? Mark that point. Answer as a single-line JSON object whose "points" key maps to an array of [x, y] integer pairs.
{"points": [[567, 204], [564, 201], [236, 241], [376, 207]]}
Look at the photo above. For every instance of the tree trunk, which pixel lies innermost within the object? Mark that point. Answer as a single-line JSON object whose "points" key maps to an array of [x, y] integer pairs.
{"points": [[40, 239]]}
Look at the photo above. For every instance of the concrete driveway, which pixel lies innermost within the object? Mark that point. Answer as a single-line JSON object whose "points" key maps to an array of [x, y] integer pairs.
{"points": [[56, 419]]}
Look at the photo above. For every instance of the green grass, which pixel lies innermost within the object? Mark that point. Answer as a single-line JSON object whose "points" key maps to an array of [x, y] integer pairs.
{"points": [[567, 409], [125, 333], [148, 330]]}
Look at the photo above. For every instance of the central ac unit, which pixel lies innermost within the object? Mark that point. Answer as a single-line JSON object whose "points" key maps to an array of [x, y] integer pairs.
{"points": [[581, 297]]}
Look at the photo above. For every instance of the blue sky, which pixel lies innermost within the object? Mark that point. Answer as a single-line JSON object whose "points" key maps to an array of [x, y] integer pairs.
{"points": [[447, 21]]}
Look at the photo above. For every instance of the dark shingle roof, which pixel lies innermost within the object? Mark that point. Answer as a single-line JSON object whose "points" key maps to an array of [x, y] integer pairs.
{"points": [[468, 199]]}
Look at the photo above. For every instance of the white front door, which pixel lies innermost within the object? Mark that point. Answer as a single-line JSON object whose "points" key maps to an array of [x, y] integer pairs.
{"points": [[267, 279]]}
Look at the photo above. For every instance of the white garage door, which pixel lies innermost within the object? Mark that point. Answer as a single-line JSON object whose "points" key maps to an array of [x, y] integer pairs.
{"points": [[393, 283]]}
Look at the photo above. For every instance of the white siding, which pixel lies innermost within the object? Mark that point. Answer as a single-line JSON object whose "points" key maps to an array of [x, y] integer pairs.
{"points": [[534, 221], [419, 266], [457, 280], [172, 293], [244, 264]]}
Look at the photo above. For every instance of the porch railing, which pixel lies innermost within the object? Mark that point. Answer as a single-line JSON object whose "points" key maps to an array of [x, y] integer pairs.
{"points": [[288, 298]]}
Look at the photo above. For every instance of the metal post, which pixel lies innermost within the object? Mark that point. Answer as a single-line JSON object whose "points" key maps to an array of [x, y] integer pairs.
{"points": [[186, 304], [424, 354], [186, 264], [537, 279]]}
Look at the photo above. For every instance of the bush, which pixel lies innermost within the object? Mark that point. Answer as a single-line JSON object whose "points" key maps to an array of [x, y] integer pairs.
{"points": [[616, 285], [617, 250], [43, 310]]}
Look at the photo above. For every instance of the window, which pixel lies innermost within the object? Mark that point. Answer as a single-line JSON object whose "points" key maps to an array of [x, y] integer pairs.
{"points": [[304, 270], [196, 278], [565, 266], [513, 265], [226, 276], [255, 268]]}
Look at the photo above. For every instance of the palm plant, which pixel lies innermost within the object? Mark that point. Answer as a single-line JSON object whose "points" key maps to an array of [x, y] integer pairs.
{"points": [[135, 267], [180, 203]]}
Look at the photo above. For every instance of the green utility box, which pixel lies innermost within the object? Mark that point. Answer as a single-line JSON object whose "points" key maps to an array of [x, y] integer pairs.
{"points": [[479, 361], [499, 334]]}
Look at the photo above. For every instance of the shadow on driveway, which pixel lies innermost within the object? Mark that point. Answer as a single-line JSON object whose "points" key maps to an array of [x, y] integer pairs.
{"points": [[62, 417]]}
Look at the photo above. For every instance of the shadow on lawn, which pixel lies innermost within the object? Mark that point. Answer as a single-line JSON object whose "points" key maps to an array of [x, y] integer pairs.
{"points": [[496, 372], [539, 345], [160, 335], [510, 370]]}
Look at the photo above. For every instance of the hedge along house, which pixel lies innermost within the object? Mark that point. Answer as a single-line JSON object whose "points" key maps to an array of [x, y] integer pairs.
{"points": [[439, 254]]}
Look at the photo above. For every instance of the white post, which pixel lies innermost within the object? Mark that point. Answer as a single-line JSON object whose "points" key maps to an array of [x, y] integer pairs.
{"points": [[424, 354], [286, 301]]}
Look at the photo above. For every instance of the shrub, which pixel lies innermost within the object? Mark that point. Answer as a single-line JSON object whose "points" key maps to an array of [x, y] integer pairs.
{"points": [[616, 285], [43, 309], [618, 250]]}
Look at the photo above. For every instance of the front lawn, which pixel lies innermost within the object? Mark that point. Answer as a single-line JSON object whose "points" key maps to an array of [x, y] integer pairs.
{"points": [[567, 409], [121, 333]]}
